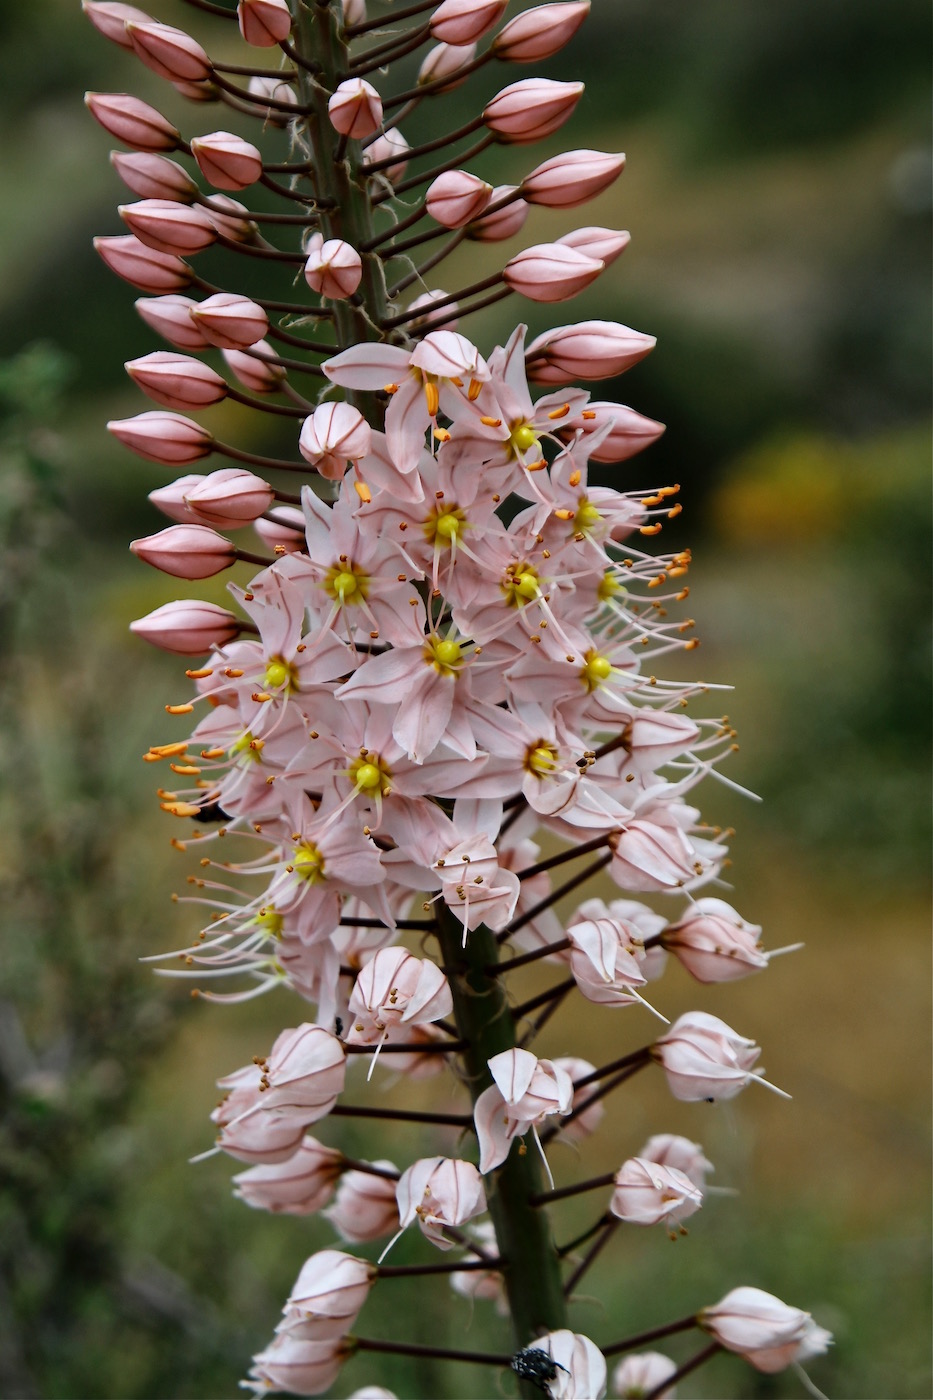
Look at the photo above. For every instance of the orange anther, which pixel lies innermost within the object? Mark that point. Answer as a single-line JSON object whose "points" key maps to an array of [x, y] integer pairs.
{"points": [[178, 709], [560, 412], [200, 674], [363, 491]]}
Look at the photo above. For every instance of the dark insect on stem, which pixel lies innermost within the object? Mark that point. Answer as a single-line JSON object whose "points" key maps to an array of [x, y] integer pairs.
{"points": [[535, 1365]]}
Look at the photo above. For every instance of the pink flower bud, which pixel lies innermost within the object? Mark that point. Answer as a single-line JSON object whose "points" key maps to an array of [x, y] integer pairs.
{"points": [[168, 227], [170, 499], [365, 1207], [390, 143], [463, 21], [152, 176], [188, 627], [587, 350], [501, 223], [278, 92], [541, 32], [227, 161], [143, 267], [437, 1192], [111, 19], [299, 1186], [456, 197], [264, 23], [447, 314], [669, 1150], [329, 1293], [768, 1333], [704, 1058], [131, 121], [170, 317], [228, 216], [335, 434], [176, 381], [648, 1194], [531, 109], [284, 531], [714, 943], [230, 498], [233, 322], [298, 1366], [334, 269], [446, 61], [630, 433], [305, 1069], [252, 370], [163, 437], [641, 1374], [603, 243], [186, 551], [355, 109], [571, 178], [171, 53], [550, 272]]}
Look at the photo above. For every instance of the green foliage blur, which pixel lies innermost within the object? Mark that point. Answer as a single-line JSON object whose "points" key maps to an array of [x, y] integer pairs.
{"points": [[779, 198]]}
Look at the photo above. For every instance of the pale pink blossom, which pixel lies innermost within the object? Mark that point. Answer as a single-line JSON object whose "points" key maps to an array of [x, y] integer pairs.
{"points": [[226, 160], [153, 176], [768, 1333], [229, 321], [170, 317], [464, 21], [230, 498], [526, 1091], [335, 434], [564, 181], [475, 887], [186, 551], [300, 1185], [579, 1366], [365, 1207], [177, 381], [540, 32], [446, 61], [641, 1373], [604, 961], [264, 23], [456, 197], [393, 989], [141, 266], [167, 226], [704, 1058], [132, 121], [714, 943], [355, 108], [629, 432], [550, 272], [333, 268], [587, 350], [669, 1150], [109, 18], [297, 1365], [439, 1192], [188, 627], [163, 437], [328, 1294], [170, 52], [649, 1194], [305, 1069], [531, 109]]}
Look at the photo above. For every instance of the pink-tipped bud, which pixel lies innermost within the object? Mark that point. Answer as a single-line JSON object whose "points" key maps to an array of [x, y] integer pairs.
{"points": [[264, 23], [188, 627], [446, 315], [168, 227], [170, 317], [334, 269], [132, 121], [111, 20], [390, 143], [355, 109], [550, 272], [141, 266], [162, 437], [465, 21], [230, 498], [177, 381], [456, 197], [501, 223], [446, 61], [283, 529], [153, 177], [171, 53], [230, 321], [630, 433], [227, 161], [228, 217], [587, 350], [186, 551], [572, 178], [253, 370], [541, 32], [335, 434], [276, 91], [603, 243], [531, 109], [170, 499]]}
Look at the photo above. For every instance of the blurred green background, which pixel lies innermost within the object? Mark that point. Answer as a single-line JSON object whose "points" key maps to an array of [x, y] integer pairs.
{"points": [[778, 195]]}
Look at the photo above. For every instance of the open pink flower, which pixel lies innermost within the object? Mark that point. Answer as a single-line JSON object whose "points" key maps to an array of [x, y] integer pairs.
{"points": [[704, 1058], [439, 1192], [526, 1091], [393, 989], [648, 1194], [365, 1207], [300, 1185], [768, 1333], [328, 1294]]}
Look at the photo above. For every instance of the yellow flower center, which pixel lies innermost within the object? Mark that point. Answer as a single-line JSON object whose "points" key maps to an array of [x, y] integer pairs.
{"points": [[345, 585], [609, 587], [445, 656], [522, 439], [280, 674], [444, 524], [597, 669], [246, 747], [586, 518], [541, 759], [369, 774], [308, 863], [520, 584], [270, 921]]}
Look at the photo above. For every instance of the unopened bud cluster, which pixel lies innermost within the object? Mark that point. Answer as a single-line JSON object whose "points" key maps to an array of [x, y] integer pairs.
{"points": [[439, 684]]}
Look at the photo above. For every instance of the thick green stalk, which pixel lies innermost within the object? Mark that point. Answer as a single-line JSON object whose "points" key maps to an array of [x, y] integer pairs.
{"points": [[484, 1020]]}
